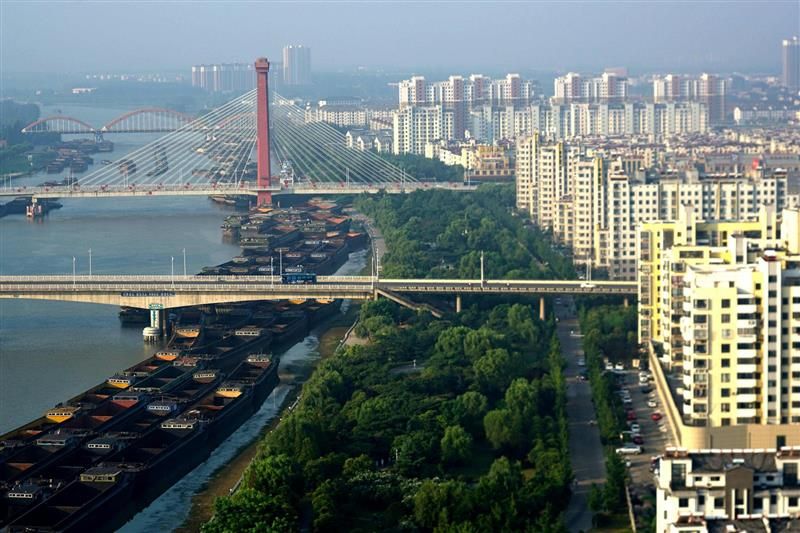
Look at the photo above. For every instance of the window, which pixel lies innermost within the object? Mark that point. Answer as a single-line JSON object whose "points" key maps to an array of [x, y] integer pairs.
{"points": [[719, 501], [683, 502], [726, 348], [726, 303], [726, 363], [792, 501], [780, 441]]}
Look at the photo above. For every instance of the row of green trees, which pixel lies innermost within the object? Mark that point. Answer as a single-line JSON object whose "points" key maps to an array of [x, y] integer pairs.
{"points": [[610, 334], [442, 233], [423, 168], [433, 425]]}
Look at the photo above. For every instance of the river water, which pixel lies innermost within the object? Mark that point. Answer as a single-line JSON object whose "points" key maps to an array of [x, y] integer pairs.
{"points": [[51, 351]]}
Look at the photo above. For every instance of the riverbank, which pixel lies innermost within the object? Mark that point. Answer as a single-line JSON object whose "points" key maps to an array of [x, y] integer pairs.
{"points": [[228, 475], [332, 334]]}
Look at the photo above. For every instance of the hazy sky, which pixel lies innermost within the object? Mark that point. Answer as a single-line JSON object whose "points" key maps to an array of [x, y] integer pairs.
{"points": [[87, 36]]}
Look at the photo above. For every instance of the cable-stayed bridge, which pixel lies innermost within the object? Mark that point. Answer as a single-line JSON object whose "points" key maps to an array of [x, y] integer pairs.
{"points": [[249, 146]]}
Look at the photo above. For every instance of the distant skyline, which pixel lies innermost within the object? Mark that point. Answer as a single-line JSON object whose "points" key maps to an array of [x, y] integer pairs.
{"points": [[119, 36]]}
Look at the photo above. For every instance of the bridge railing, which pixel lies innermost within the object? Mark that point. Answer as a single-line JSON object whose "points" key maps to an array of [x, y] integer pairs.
{"points": [[140, 289], [176, 279]]}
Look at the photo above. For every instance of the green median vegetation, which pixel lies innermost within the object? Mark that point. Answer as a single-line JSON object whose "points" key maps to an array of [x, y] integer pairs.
{"points": [[610, 333]]}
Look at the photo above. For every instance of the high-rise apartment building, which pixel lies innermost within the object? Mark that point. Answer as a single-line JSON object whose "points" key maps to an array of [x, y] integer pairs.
{"points": [[296, 64], [573, 87], [790, 77], [595, 204], [707, 88], [224, 77], [720, 302], [416, 126], [476, 89]]}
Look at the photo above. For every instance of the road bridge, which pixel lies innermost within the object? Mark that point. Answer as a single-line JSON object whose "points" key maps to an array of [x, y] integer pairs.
{"points": [[242, 189], [166, 292]]}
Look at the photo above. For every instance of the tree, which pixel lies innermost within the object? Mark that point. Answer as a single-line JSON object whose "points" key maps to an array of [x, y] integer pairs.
{"points": [[498, 428], [251, 510], [493, 371], [456, 445]]}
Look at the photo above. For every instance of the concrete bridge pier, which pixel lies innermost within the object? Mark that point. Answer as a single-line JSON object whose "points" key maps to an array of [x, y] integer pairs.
{"points": [[541, 309], [458, 303]]}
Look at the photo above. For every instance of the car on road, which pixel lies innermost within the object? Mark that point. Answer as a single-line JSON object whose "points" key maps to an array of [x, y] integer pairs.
{"points": [[656, 416], [652, 403], [581, 362], [629, 448]]}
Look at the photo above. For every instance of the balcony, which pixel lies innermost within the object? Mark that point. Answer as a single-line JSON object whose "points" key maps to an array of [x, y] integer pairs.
{"points": [[747, 369], [746, 308], [748, 398]]}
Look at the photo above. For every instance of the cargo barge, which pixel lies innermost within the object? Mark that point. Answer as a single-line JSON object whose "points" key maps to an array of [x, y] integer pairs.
{"points": [[116, 475]]}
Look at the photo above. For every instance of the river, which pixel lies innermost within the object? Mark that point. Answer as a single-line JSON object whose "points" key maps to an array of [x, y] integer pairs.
{"points": [[51, 351]]}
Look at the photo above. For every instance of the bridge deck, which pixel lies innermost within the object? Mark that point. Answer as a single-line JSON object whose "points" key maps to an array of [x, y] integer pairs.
{"points": [[219, 189], [179, 291]]}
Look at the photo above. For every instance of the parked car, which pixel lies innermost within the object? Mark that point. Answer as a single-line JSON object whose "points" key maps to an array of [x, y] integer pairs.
{"points": [[631, 415], [635, 428], [646, 390], [652, 403], [629, 448], [643, 380], [609, 366], [637, 439], [581, 362], [656, 416], [619, 367]]}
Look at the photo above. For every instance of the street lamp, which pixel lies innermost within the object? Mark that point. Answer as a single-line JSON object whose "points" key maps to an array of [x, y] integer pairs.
{"points": [[90, 262], [73, 272], [184, 262], [172, 272]]}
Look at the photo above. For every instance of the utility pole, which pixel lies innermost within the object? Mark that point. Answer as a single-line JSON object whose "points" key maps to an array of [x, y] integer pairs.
{"points": [[90, 262], [482, 278], [271, 272], [73, 273], [280, 259], [172, 271]]}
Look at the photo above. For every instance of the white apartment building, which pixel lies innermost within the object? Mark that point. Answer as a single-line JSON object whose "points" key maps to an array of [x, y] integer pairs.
{"points": [[415, 126], [730, 490], [476, 89], [706, 88], [574, 87], [596, 204]]}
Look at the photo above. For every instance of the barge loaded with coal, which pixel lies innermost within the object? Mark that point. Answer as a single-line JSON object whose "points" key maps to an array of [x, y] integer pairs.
{"points": [[92, 462]]}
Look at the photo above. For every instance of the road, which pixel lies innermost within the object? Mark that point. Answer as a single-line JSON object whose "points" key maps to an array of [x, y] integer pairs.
{"points": [[657, 436], [585, 448]]}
